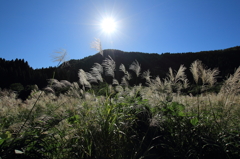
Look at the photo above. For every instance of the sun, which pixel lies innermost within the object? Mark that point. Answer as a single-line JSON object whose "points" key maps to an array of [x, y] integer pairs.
{"points": [[108, 25]]}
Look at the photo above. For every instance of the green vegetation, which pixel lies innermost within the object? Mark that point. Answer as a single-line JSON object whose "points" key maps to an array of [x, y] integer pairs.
{"points": [[103, 117]]}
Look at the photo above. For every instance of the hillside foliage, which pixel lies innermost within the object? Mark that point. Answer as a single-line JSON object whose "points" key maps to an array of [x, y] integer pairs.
{"points": [[122, 110]]}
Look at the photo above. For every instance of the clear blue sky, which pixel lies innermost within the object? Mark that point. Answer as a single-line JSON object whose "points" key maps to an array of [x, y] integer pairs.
{"points": [[33, 29]]}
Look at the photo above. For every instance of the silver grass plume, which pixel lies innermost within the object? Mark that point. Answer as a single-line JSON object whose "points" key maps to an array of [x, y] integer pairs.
{"points": [[175, 80], [96, 72], [60, 56], [232, 84], [75, 90], [98, 67], [115, 82], [204, 76], [185, 83], [178, 76], [91, 78], [124, 82], [170, 75], [146, 75], [97, 46], [49, 89], [211, 76], [207, 76], [195, 68], [109, 66], [75, 85], [135, 67], [122, 68], [127, 75], [55, 84], [52, 81], [157, 83], [119, 89], [83, 79], [66, 83]]}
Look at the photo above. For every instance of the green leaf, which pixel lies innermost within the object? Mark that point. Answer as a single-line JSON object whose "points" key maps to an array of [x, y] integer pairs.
{"points": [[74, 119], [6, 135], [181, 114], [1, 141], [194, 121]]}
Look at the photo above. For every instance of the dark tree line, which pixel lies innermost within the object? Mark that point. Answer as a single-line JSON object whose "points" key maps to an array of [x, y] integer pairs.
{"points": [[18, 70]]}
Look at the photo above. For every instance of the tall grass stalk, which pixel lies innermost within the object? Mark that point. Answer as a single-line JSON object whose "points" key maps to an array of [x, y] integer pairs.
{"points": [[60, 59]]}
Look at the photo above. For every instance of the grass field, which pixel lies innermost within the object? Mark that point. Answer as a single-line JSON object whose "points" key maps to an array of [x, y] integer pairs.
{"points": [[156, 120]]}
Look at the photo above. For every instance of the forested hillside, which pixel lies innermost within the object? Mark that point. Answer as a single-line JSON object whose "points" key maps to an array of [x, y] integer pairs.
{"points": [[18, 70]]}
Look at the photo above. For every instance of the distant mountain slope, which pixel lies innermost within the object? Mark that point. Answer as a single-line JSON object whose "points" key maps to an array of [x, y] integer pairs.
{"points": [[18, 71], [226, 60]]}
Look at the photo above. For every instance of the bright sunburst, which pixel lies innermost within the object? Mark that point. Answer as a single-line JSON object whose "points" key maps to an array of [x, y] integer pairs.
{"points": [[108, 25]]}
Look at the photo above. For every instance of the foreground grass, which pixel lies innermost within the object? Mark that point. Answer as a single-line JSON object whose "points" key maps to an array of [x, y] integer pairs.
{"points": [[134, 123]]}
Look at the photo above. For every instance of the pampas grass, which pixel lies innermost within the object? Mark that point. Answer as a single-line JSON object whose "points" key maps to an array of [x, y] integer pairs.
{"points": [[152, 121], [207, 76], [83, 79], [109, 66], [146, 75], [232, 83], [195, 69], [135, 67]]}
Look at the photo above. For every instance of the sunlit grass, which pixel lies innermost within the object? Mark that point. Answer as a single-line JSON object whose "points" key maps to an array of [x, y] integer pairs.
{"points": [[155, 120]]}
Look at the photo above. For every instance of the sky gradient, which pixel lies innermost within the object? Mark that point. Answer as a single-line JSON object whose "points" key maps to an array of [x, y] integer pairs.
{"points": [[34, 29]]}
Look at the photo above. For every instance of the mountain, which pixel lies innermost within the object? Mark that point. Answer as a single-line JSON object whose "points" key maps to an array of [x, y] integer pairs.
{"points": [[226, 60], [18, 71]]}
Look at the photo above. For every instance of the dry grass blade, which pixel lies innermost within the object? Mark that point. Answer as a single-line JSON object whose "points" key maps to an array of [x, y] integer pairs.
{"points": [[83, 79], [66, 83], [96, 74], [59, 56], [185, 83], [232, 84], [54, 83], [122, 68], [98, 67], [180, 76], [109, 66], [212, 76], [158, 84], [146, 75], [128, 75], [135, 67], [97, 45], [207, 76], [49, 89], [124, 82], [170, 75], [194, 68], [115, 82], [91, 78]]}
